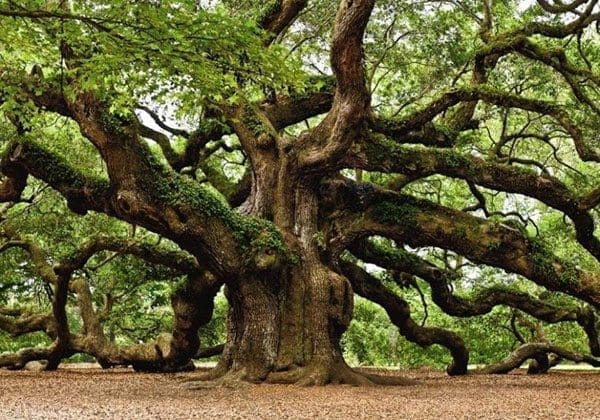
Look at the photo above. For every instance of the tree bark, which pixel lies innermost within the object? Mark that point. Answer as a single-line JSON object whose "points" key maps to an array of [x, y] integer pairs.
{"points": [[285, 325]]}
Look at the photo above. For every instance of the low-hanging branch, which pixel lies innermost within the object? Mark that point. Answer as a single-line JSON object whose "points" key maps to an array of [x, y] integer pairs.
{"points": [[419, 223], [83, 192], [26, 323], [192, 305], [377, 154], [19, 359], [531, 351], [168, 352], [480, 302], [413, 164], [398, 310], [183, 200]]}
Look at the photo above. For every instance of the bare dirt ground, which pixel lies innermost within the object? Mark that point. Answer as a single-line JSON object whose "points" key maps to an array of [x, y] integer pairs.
{"points": [[75, 393]]}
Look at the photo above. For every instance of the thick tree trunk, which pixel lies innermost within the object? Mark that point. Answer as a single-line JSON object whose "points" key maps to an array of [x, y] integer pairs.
{"points": [[285, 325], [287, 328]]}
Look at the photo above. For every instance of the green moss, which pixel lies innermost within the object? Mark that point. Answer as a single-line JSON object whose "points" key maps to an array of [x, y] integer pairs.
{"points": [[254, 124], [569, 274], [447, 131], [494, 246], [389, 213], [546, 264], [501, 43], [381, 149], [395, 256], [540, 256], [254, 235], [178, 190], [218, 179], [481, 293], [461, 233], [56, 170], [454, 160]]}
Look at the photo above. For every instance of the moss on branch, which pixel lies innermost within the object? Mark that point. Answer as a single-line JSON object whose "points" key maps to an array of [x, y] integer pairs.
{"points": [[420, 223], [380, 153], [254, 236], [82, 190]]}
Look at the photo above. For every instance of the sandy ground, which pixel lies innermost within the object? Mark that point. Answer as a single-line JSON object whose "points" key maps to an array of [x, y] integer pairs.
{"points": [[72, 393]]}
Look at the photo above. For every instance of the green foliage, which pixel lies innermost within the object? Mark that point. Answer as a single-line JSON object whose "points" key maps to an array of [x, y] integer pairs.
{"points": [[370, 337], [544, 262], [11, 344], [166, 52], [372, 340]]}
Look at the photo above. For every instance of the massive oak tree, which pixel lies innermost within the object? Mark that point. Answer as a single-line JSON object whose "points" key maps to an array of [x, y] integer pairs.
{"points": [[353, 119]]}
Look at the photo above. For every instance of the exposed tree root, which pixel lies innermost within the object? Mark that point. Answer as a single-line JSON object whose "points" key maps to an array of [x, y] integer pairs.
{"points": [[339, 374], [232, 379], [315, 374], [388, 380]]}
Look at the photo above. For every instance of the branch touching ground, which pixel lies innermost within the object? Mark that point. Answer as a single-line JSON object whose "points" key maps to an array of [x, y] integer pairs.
{"points": [[398, 310], [531, 351], [481, 302]]}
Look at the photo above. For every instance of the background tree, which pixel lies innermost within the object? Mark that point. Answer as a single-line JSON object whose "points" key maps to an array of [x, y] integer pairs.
{"points": [[434, 140]]}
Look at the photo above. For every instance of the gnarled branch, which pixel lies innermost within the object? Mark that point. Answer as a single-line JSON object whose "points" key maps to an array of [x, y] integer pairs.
{"points": [[421, 223], [398, 310]]}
